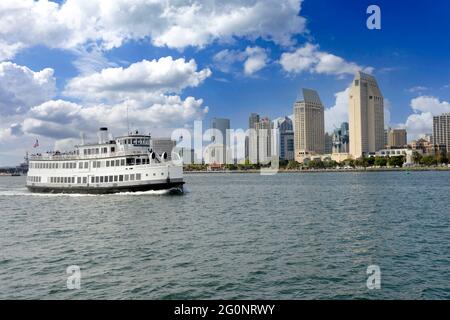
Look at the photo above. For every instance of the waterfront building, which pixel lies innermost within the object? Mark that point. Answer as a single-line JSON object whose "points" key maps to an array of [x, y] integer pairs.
{"points": [[309, 134], [284, 138], [441, 130], [397, 138], [366, 116], [407, 153], [260, 141]]}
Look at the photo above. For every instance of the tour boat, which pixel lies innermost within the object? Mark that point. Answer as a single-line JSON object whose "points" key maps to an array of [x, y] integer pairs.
{"points": [[125, 164]]}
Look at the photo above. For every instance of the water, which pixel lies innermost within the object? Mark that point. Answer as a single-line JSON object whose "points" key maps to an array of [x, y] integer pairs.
{"points": [[233, 236]]}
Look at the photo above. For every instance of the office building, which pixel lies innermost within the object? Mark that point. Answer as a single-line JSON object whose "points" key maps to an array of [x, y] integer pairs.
{"points": [[284, 138], [366, 116], [441, 130], [397, 138], [309, 134]]}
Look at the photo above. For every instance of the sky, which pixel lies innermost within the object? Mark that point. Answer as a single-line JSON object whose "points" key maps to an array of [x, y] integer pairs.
{"points": [[69, 67]]}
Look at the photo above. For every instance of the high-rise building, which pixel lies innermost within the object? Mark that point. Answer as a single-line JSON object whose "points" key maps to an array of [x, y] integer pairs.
{"points": [[284, 138], [220, 140], [309, 135], [252, 120], [397, 138], [441, 130], [340, 139], [260, 141], [366, 116]]}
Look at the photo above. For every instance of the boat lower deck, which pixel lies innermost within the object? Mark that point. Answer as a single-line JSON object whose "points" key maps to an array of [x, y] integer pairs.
{"points": [[172, 185]]}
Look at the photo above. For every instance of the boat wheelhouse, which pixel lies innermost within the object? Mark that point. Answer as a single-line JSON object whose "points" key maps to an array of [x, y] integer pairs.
{"points": [[125, 164]]}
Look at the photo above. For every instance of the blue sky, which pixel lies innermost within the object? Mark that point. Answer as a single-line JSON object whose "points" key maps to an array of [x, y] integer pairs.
{"points": [[408, 56]]}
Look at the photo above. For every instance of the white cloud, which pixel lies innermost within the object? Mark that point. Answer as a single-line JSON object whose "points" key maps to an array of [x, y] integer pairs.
{"points": [[417, 89], [171, 23], [253, 59], [430, 104], [310, 59], [421, 121], [338, 113], [418, 124], [256, 60], [139, 81], [21, 87], [59, 119]]}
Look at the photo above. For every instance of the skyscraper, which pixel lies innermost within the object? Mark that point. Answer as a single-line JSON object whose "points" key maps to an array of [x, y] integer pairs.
{"points": [[441, 130], [260, 141], [285, 137], [309, 135], [221, 140], [366, 116]]}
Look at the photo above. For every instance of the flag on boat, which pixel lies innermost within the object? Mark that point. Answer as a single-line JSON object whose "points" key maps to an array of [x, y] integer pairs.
{"points": [[36, 144]]}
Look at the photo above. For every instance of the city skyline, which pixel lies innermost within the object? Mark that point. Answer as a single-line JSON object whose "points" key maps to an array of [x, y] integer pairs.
{"points": [[58, 80]]}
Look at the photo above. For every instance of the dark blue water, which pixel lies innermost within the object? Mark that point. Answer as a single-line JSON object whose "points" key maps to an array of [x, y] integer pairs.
{"points": [[233, 236]]}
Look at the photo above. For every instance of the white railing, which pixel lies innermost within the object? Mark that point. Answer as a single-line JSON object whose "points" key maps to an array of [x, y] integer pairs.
{"points": [[65, 156]]}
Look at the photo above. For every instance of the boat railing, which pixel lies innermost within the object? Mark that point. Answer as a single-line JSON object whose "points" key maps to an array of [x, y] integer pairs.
{"points": [[69, 156]]}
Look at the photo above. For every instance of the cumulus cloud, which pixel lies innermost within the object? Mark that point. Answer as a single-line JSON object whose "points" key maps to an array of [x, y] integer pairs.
{"points": [[59, 119], [252, 59], [139, 81], [256, 60], [424, 108], [21, 87], [338, 113], [310, 59], [172, 23]]}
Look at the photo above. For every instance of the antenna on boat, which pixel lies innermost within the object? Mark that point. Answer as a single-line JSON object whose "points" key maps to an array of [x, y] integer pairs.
{"points": [[128, 120]]}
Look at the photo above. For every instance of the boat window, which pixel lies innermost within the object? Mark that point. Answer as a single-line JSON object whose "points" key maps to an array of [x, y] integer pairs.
{"points": [[112, 163], [131, 177], [111, 178], [116, 178], [97, 179], [130, 161], [107, 163], [101, 179], [117, 163], [122, 162], [126, 177], [78, 179], [106, 179], [113, 149], [80, 165], [138, 161], [121, 178], [97, 151], [138, 176], [134, 141]]}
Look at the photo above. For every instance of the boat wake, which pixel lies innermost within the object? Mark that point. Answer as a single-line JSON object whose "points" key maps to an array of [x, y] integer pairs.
{"points": [[25, 192]]}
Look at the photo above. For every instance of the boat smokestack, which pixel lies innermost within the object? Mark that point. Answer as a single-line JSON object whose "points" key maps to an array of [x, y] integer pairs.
{"points": [[103, 136]]}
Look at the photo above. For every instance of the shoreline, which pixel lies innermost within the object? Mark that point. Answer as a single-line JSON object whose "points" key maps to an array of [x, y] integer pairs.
{"points": [[421, 169]]}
